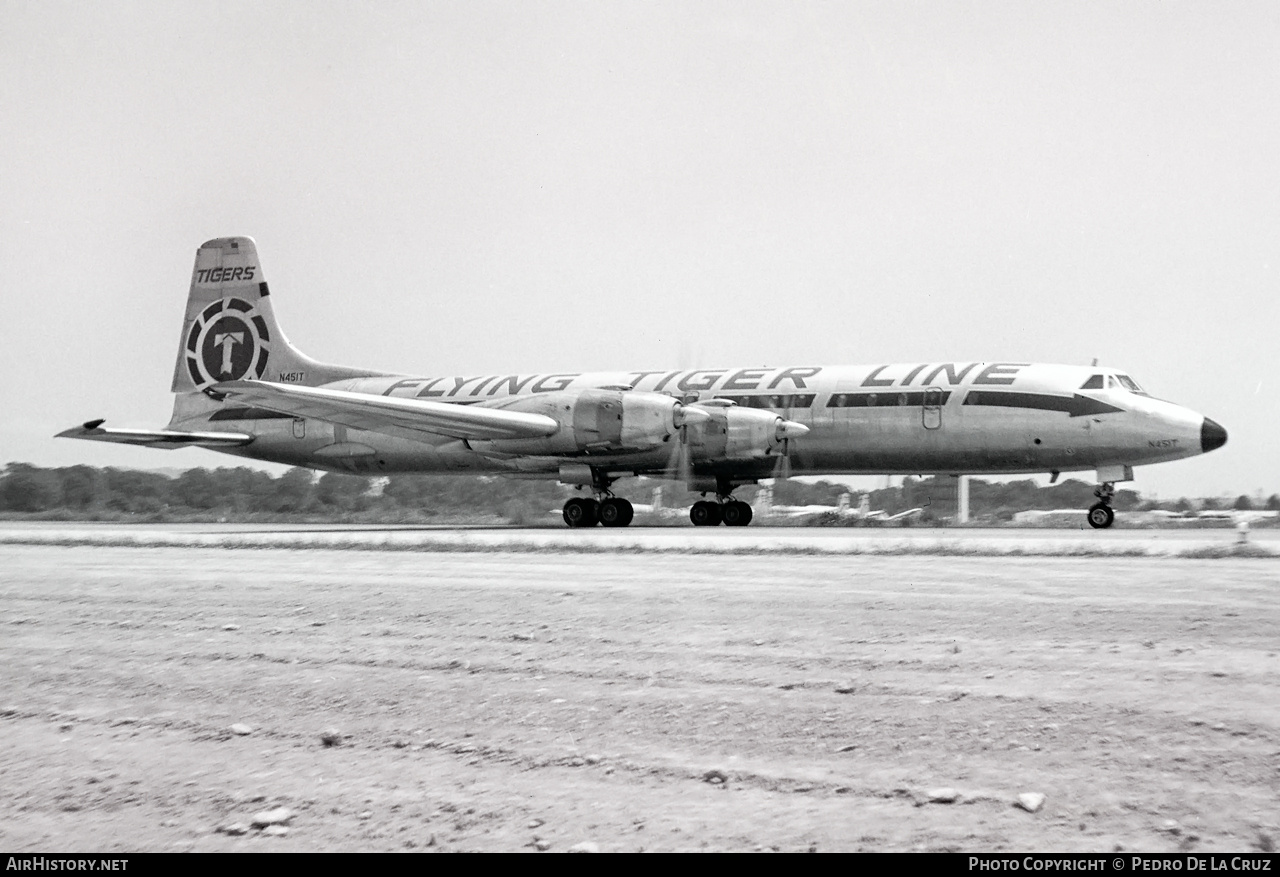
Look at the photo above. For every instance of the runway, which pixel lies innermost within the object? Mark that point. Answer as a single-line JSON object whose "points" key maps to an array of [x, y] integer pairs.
{"points": [[497, 700], [996, 542]]}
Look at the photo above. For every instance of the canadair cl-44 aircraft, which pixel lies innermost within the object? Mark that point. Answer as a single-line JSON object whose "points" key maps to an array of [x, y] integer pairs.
{"points": [[243, 389]]}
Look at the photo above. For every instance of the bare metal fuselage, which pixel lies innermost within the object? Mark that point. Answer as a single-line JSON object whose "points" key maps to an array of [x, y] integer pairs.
{"points": [[941, 418]]}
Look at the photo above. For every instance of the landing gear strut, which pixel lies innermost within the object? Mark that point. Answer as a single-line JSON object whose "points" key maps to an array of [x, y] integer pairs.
{"points": [[606, 509], [1101, 515]]}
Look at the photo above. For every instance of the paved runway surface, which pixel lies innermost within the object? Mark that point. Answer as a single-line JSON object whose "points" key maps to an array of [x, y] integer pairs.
{"points": [[834, 540]]}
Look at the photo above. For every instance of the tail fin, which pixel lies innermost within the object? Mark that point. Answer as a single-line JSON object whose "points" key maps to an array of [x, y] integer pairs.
{"points": [[230, 332]]}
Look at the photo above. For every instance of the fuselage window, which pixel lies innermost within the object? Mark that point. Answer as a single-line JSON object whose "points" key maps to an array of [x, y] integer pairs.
{"points": [[797, 400], [1094, 383]]}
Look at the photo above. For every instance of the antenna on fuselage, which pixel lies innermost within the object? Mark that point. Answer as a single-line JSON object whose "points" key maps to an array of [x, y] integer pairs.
{"points": [[1094, 364]]}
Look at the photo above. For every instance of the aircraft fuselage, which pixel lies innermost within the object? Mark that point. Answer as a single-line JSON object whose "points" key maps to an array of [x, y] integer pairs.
{"points": [[920, 418]]}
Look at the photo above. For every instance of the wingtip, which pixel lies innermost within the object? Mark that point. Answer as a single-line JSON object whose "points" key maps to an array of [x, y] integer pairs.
{"points": [[79, 431]]}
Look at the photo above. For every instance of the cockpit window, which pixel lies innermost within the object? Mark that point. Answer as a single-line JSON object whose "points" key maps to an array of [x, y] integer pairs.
{"points": [[1112, 383], [1130, 384], [1094, 383]]}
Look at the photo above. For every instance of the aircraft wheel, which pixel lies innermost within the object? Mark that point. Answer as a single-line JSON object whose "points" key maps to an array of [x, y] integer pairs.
{"points": [[616, 512], [579, 512], [736, 514], [1101, 516], [705, 514]]}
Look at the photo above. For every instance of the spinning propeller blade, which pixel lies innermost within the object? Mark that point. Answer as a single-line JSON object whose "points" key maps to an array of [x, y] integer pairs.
{"points": [[679, 468], [788, 431]]}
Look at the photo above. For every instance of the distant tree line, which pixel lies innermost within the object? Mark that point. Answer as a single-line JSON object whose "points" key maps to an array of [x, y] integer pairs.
{"points": [[85, 492], [89, 493]]}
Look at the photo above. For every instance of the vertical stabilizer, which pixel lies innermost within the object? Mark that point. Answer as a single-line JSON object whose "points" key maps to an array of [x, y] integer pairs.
{"points": [[230, 333]]}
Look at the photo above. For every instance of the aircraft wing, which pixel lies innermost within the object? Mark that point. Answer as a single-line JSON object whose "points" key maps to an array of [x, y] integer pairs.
{"points": [[155, 438], [406, 417]]}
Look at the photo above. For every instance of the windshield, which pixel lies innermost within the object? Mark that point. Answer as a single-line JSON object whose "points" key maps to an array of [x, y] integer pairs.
{"points": [[1113, 382], [1130, 384]]}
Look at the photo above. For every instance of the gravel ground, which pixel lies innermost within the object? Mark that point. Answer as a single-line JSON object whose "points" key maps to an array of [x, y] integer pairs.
{"points": [[162, 698]]}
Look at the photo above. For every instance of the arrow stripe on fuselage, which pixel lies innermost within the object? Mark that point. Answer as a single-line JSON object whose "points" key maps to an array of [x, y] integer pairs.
{"points": [[1075, 406]]}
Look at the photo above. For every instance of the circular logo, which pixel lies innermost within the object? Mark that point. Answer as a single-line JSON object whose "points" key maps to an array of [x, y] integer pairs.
{"points": [[227, 342]]}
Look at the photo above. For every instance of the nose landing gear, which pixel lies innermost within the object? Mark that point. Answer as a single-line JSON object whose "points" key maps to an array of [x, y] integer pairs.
{"points": [[1101, 515]]}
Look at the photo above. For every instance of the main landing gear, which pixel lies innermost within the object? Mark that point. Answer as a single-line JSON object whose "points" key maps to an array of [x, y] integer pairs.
{"points": [[725, 510], [1101, 515], [612, 511], [730, 512], [606, 509]]}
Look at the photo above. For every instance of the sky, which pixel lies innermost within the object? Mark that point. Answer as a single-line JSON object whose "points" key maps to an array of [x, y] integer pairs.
{"points": [[477, 187]]}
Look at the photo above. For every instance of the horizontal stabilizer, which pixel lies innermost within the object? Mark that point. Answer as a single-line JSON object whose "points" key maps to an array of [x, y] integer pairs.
{"points": [[155, 438], [394, 416]]}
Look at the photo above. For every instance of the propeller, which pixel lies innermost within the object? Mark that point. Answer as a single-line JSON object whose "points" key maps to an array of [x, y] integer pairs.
{"points": [[787, 432], [679, 468]]}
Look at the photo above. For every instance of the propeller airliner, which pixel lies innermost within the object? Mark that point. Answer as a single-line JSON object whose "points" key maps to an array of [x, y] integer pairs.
{"points": [[241, 388]]}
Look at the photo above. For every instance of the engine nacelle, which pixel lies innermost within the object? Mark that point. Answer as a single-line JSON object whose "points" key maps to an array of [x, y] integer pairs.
{"points": [[606, 421], [734, 433]]}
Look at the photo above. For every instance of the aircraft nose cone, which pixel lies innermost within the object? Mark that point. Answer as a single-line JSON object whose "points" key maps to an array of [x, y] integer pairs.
{"points": [[1212, 436]]}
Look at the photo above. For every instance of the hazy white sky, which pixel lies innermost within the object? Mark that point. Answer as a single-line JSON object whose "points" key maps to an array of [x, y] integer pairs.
{"points": [[444, 188]]}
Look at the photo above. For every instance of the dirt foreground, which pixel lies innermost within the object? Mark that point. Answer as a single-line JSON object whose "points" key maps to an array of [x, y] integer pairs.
{"points": [[491, 701]]}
